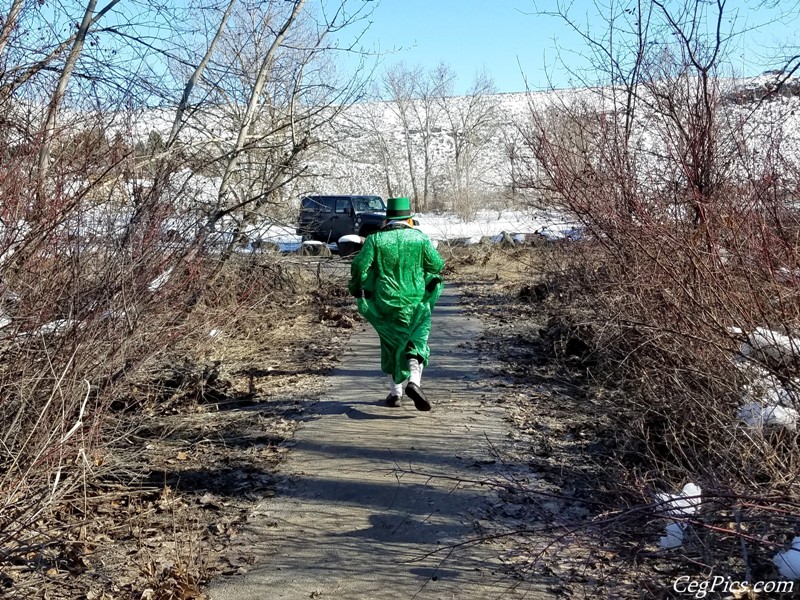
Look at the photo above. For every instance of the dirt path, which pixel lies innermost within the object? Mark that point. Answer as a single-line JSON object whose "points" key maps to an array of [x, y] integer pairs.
{"points": [[374, 503]]}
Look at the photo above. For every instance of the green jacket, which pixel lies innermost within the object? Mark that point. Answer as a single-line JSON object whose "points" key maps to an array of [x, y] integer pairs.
{"points": [[400, 271]]}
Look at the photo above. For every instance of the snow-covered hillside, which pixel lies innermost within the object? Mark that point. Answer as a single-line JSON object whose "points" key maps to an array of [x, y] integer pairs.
{"points": [[471, 149], [465, 155]]}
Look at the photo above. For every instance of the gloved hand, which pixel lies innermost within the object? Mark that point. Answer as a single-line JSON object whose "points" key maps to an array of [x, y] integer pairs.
{"points": [[432, 284], [361, 293]]}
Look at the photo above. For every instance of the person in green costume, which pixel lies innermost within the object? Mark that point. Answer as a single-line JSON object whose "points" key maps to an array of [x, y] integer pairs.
{"points": [[396, 278]]}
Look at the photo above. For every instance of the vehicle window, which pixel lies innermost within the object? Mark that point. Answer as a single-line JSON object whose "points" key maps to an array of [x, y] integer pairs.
{"points": [[368, 203], [317, 203], [342, 205]]}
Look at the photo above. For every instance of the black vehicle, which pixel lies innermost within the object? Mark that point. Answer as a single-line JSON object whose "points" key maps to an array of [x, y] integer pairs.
{"points": [[327, 218]]}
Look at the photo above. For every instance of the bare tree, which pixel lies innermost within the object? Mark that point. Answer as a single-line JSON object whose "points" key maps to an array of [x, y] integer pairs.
{"points": [[264, 69], [434, 88], [470, 121], [401, 85], [89, 18], [197, 73], [290, 97], [370, 117]]}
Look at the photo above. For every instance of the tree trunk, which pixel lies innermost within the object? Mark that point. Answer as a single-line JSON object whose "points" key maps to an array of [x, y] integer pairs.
{"points": [[252, 105], [10, 24], [198, 72], [61, 88]]}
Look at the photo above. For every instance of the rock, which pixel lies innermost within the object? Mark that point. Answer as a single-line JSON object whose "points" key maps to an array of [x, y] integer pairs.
{"points": [[461, 242], [260, 245], [314, 248], [504, 239], [534, 293]]}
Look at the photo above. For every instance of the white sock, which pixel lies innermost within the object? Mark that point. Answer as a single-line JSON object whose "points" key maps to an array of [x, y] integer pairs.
{"points": [[395, 389], [416, 371]]}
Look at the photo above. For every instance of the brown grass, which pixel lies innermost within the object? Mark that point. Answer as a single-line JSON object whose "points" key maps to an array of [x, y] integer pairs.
{"points": [[617, 401]]}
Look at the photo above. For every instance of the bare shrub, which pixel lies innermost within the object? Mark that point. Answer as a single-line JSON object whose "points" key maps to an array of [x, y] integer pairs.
{"points": [[690, 243], [118, 234]]}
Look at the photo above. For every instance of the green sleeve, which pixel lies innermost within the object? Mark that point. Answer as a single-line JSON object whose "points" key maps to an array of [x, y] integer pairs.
{"points": [[432, 261], [432, 264], [359, 268]]}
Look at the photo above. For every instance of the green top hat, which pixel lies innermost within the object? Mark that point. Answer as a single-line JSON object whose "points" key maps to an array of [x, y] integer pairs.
{"points": [[398, 208]]}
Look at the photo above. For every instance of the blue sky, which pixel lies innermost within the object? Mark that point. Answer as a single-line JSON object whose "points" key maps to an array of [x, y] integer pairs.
{"points": [[465, 34], [508, 39]]}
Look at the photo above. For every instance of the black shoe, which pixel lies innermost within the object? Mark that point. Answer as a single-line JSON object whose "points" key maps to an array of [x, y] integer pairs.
{"points": [[393, 401], [414, 392]]}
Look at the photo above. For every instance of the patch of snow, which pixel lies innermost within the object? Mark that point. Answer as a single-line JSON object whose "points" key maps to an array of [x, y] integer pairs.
{"points": [[767, 400], [673, 536], [683, 504], [449, 226], [12, 235], [353, 239], [757, 415], [438, 227], [159, 281], [763, 387], [763, 342], [56, 327], [788, 562]]}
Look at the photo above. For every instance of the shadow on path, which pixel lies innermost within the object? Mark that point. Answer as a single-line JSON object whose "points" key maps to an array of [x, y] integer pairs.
{"points": [[381, 503]]}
